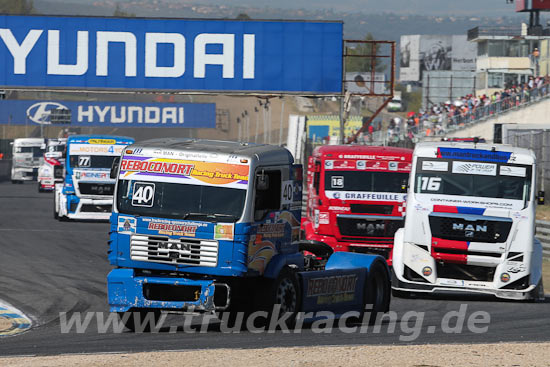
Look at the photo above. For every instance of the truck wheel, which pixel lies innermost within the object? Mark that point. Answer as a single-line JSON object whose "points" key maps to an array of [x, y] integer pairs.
{"points": [[140, 320], [55, 211], [284, 291], [378, 291], [537, 294]]}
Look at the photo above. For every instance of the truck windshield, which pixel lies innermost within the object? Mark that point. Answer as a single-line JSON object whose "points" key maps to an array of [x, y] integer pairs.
{"points": [[489, 180], [365, 181], [91, 161], [36, 151], [55, 148], [180, 201]]}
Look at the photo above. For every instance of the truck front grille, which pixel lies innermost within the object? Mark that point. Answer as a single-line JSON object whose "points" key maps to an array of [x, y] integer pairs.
{"points": [[180, 251], [368, 228], [87, 188], [476, 230]]}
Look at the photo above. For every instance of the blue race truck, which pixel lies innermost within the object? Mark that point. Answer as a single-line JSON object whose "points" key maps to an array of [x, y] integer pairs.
{"points": [[83, 188], [205, 226]]}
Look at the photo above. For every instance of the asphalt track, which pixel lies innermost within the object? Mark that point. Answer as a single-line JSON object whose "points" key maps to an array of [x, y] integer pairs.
{"points": [[48, 267]]}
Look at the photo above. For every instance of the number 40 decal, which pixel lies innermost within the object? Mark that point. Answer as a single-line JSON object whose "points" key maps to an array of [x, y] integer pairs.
{"points": [[431, 183], [287, 192], [144, 194]]}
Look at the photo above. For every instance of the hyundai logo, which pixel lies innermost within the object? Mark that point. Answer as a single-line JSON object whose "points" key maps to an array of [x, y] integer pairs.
{"points": [[40, 112]]}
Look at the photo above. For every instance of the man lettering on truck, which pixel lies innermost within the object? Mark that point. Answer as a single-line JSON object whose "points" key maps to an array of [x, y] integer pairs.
{"points": [[356, 197]]}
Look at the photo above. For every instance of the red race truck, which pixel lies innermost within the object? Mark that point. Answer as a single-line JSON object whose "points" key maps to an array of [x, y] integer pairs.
{"points": [[356, 197]]}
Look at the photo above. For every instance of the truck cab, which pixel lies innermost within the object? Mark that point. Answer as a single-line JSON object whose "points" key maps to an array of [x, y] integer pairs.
{"points": [[204, 226], [84, 189], [27, 158], [357, 197], [470, 223]]}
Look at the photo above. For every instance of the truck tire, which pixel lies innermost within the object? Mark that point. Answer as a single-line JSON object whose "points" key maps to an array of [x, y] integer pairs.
{"points": [[378, 290], [55, 211], [284, 291], [537, 294], [139, 320]]}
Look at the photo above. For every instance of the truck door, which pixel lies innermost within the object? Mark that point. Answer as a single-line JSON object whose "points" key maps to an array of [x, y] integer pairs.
{"points": [[272, 227]]}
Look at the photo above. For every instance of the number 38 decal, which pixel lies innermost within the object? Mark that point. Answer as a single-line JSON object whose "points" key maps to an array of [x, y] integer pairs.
{"points": [[144, 194]]}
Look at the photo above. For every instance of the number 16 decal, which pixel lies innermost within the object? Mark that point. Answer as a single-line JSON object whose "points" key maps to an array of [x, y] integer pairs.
{"points": [[144, 194]]}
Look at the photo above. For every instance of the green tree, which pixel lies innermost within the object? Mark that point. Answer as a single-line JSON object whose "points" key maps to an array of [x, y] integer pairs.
{"points": [[243, 16], [361, 61], [17, 7], [121, 13]]}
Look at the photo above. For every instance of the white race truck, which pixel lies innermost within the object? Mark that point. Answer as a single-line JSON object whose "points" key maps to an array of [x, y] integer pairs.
{"points": [[27, 157], [54, 156], [470, 223]]}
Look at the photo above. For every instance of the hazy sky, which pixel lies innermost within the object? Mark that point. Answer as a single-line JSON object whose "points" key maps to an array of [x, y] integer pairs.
{"points": [[424, 7]]}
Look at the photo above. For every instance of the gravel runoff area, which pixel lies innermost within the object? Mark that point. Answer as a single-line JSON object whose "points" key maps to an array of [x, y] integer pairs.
{"points": [[505, 354]]}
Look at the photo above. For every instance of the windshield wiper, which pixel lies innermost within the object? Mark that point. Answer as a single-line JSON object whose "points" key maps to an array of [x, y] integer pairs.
{"points": [[208, 215]]}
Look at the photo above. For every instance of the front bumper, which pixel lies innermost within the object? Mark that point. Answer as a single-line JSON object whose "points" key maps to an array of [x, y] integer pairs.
{"points": [[126, 290], [404, 285], [25, 174], [86, 209]]}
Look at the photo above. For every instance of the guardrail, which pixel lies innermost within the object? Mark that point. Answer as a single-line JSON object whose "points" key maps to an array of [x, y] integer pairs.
{"points": [[543, 234]]}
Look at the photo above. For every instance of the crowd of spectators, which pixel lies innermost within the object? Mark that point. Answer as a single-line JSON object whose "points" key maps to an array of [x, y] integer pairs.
{"points": [[440, 118]]}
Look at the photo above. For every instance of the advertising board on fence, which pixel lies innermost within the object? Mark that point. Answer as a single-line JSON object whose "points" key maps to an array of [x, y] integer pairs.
{"points": [[110, 114], [423, 53], [171, 54], [321, 128]]}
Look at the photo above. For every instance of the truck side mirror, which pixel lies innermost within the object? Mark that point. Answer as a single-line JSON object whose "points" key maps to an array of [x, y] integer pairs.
{"points": [[114, 168], [404, 186], [540, 198], [262, 182]]}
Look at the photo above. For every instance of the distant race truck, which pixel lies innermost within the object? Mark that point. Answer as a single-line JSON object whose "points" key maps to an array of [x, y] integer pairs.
{"points": [[356, 197], [204, 226], [28, 155], [53, 156], [470, 223], [85, 190]]}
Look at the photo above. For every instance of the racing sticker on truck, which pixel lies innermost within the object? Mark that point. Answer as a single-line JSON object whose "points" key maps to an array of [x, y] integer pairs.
{"points": [[224, 231], [143, 194], [126, 225], [95, 149], [209, 173], [473, 168], [333, 289], [174, 229], [366, 196]]}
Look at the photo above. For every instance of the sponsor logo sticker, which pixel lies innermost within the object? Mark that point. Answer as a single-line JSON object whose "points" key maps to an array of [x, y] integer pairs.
{"points": [[473, 168], [126, 224]]}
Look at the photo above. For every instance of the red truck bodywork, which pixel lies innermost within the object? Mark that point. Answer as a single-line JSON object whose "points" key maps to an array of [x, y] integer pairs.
{"points": [[356, 197]]}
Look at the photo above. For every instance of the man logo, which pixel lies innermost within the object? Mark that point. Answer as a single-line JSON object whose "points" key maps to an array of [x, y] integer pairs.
{"points": [[40, 112]]}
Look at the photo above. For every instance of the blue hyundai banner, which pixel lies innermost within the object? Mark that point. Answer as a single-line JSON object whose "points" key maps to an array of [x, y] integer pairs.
{"points": [[171, 54], [111, 114]]}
